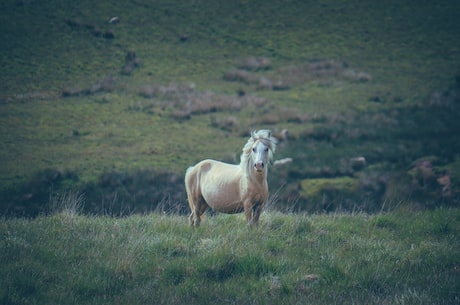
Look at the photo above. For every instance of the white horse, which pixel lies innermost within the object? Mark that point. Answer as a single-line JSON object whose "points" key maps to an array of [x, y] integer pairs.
{"points": [[229, 188]]}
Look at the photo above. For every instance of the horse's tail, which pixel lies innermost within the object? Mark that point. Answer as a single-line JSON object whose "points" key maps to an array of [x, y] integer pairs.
{"points": [[188, 185], [188, 174]]}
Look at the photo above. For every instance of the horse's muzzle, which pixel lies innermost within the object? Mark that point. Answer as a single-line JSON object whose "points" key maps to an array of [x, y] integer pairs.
{"points": [[259, 166]]}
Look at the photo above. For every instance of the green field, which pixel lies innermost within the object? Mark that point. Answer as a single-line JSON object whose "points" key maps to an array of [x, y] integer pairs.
{"points": [[104, 104], [398, 258], [86, 102]]}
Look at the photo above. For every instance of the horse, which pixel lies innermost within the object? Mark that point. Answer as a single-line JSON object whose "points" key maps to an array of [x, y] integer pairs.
{"points": [[232, 188]]}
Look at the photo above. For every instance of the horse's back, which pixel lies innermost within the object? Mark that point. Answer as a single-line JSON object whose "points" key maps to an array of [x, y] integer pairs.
{"points": [[208, 166], [218, 170], [199, 171], [217, 182]]}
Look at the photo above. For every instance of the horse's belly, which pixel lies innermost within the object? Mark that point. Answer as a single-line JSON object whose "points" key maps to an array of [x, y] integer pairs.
{"points": [[225, 199], [230, 209]]}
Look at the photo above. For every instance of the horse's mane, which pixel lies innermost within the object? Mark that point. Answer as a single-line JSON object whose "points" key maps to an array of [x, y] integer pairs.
{"points": [[264, 136]]}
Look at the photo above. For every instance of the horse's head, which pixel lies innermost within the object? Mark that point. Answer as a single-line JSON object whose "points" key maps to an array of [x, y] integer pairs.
{"points": [[260, 156], [261, 147]]}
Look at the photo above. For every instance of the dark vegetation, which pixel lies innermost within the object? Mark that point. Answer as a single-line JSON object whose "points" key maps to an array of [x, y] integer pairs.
{"points": [[406, 158], [116, 100]]}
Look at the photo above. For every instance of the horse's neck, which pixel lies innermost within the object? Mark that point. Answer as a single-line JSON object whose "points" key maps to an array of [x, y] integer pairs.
{"points": [[260, 178]]}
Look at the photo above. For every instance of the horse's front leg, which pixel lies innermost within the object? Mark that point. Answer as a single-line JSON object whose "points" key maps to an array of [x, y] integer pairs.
{"points": [[248, 212], [256, 211], [252, 212]]}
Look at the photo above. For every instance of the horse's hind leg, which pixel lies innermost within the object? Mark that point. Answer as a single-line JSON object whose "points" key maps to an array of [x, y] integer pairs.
{"points": [[198, 210], [191, 219], [197, 205], [194, 218]]}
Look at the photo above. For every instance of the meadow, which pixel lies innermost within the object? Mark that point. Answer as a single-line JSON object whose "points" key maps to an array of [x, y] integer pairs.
{"points": [[117, 99], [403, 257], [103, 106]]}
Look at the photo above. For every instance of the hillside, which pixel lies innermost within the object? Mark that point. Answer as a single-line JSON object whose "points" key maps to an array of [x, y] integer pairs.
{"points": [[117, 99]]}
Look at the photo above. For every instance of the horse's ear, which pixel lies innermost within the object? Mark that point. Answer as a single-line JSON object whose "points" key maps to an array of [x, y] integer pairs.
{"points": [[253, 135]]}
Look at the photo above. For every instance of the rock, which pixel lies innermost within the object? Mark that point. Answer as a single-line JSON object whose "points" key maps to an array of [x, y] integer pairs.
{"points": [[358, 163]]}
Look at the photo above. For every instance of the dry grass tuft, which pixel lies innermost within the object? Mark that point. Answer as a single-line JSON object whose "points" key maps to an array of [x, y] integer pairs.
{"points": [[321, 71], [183, 101], [254, 63]]}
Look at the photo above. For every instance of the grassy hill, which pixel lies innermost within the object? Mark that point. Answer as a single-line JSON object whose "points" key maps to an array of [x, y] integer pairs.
{"points": [[95, 95], [397, 258], [115, 99]]}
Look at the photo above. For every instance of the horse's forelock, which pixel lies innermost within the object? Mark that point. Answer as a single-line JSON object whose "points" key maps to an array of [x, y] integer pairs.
{"points": [[264, 136]]}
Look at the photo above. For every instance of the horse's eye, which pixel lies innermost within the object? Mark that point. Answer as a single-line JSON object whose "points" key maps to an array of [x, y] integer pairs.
{"points": [[266, 149], [253, 149]]}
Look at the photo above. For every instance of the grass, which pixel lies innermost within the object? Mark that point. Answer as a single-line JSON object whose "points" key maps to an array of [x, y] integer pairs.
{"points": [[74, 115], [389, 258]]}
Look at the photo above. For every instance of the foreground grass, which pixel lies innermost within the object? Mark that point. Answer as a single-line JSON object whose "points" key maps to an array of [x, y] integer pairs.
{"points": [[397, 258]]}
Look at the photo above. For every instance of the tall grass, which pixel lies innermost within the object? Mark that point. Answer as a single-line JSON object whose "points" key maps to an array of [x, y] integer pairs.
{"points": [[397, 258]]}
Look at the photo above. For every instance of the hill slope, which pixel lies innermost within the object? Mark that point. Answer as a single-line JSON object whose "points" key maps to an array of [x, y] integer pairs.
{"points": [[90, 89]]}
